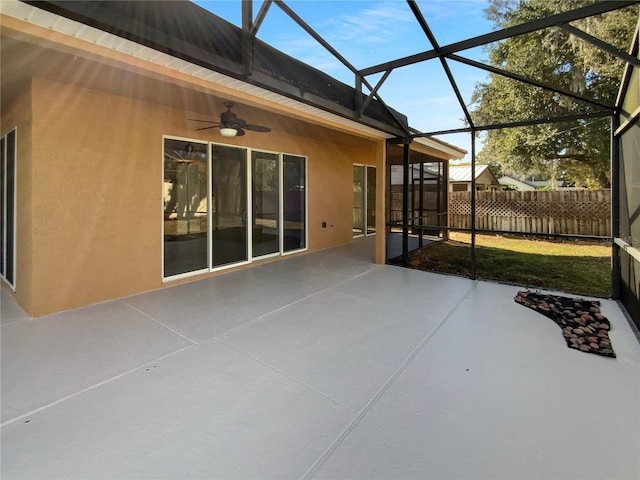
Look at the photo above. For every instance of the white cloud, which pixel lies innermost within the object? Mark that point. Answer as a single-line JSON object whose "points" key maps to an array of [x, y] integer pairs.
{"points": [[373, 24], [452, 9]]}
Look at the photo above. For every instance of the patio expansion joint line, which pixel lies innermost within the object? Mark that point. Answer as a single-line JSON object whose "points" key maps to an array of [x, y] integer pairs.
{"points": [[369, 405], [345, 277], [275, 310], [91, 387], [161, 324], [284, 374], [12, 322]]}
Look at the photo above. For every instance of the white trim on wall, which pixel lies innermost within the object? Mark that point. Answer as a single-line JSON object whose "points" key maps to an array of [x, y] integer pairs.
{"points": [[14, 207]]}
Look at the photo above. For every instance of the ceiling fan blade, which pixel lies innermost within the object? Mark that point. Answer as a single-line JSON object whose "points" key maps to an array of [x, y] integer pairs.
{"points": [[203, 121], [256, 128], [242, 123], [207, 128], [240, 132]]}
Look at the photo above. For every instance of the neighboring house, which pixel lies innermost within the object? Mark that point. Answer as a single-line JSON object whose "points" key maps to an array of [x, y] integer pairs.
{"points": [[522, 185], [460, 178], [111, 187]]}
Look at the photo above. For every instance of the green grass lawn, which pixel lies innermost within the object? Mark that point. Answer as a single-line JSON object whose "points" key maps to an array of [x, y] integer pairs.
{"points": [[569, 266]]}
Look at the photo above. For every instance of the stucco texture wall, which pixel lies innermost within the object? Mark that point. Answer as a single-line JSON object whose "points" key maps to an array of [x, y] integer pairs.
{"points": [[96, 203]]}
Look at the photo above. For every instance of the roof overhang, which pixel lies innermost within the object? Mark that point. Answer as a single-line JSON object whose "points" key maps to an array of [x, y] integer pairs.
{"points": [[186, 38], [33, 24], [210, 68], [433, 146]]}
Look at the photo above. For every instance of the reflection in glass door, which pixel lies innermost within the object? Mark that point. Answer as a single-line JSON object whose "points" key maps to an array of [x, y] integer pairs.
{"points": [[228, 205], [358, 200], [293, 203], [220, 210], [364, 200], [185, 207], [266, 203], [371, 200]]}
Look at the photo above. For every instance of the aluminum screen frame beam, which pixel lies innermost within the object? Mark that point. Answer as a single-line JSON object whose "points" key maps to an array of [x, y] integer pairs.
{"points": [[552, 21], [528, 81], [522, 123], [445, 66], [607, 47], [318, 38]]}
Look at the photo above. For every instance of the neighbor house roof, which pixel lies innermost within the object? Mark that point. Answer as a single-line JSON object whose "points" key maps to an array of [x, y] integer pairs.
{"points": [[523, 184], [462, 173]]}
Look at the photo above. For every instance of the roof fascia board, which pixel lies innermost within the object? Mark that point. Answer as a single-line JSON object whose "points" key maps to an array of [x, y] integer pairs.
{"points": [[452, 152]]}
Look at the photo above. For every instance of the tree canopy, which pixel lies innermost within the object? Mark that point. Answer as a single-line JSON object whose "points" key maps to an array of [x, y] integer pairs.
{"points": [[576, 151]]}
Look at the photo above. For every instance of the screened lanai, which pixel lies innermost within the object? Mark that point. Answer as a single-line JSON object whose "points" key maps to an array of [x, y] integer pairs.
{"points": [[319, 364], [415, 202], [410, 212]]}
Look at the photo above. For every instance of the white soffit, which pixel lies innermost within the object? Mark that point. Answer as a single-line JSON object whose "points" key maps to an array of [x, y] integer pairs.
{"points": [[57, 23], [453, 152]]}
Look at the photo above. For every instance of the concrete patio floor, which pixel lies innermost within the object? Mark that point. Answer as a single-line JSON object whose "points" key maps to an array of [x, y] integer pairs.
{"points": [[317, 366]]}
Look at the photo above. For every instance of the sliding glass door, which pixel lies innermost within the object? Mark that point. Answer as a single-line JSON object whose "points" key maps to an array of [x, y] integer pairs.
{"points": [[8, 207], [228, 205], [185, 207], [294, 201], [358, 200], [371, 200], [364, 200], [266, 203]]}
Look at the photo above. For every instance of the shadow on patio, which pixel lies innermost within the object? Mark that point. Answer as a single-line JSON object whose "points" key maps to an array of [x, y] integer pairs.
{"points": [[318, 366]]}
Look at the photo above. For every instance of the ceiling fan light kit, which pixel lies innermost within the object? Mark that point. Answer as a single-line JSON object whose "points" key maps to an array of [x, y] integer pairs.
{"points": [[228, 132]]}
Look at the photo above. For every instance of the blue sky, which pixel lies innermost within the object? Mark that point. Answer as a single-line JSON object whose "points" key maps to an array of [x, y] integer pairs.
{"points": [[370, 32]]}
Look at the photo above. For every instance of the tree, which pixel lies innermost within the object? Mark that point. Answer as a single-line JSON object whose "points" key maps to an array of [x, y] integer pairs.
{"points": [[579, 151]]}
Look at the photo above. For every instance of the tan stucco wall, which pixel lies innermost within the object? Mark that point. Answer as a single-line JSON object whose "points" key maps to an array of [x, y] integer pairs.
{"points": [[97, 180], [95, 215]]}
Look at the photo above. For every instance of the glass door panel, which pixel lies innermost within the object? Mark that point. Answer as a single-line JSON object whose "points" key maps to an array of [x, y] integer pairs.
{"points": [[371, 200], [266, 208], [228, 205], [294, 203], [3, 205], [185, 207], [358, 200], [10, 182]]}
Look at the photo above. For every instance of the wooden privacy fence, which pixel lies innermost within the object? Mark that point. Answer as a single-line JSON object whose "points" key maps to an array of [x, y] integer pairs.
{"points": [[573, 212]]}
